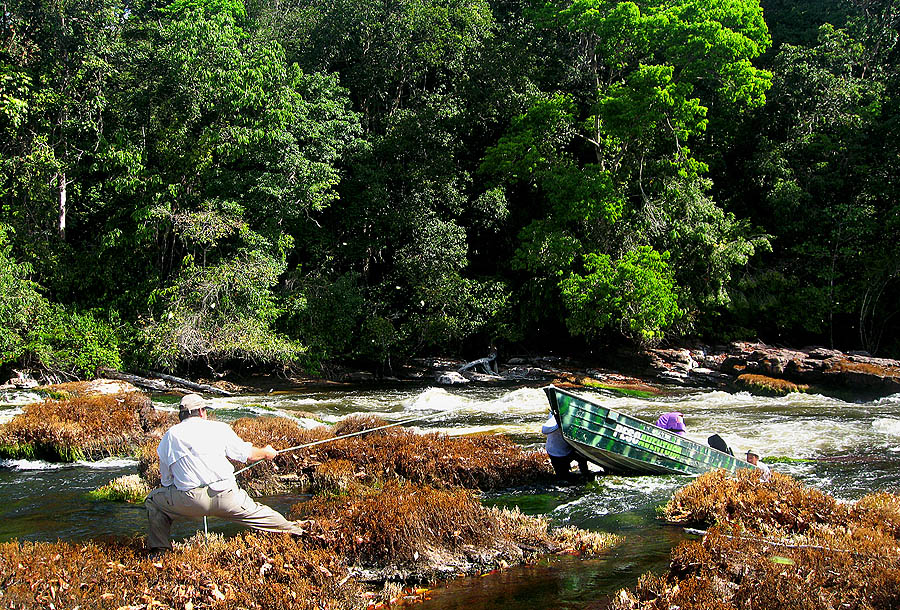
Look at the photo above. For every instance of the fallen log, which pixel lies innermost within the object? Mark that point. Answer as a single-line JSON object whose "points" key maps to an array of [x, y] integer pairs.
{"points": [[158, 382], [485, 365], [142, 382], [200, 387]]}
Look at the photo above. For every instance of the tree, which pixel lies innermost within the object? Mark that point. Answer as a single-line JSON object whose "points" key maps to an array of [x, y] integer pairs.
{"points": [[823, 163], [604, 159], [226, 149]]}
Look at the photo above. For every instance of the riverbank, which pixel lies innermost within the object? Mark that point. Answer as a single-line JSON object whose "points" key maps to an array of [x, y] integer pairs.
{"points": [[739, 366]]}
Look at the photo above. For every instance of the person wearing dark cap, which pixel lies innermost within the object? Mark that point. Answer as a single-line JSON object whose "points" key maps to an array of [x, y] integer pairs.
{"points": [[561, 453], [197, 480], [753, 458]]}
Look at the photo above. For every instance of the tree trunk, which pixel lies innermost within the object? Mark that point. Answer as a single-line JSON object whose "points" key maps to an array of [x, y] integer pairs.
{"points": [[61, 200]]}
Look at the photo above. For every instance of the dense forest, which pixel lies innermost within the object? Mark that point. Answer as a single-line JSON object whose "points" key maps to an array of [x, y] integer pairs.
{"points": [[200, 185]]}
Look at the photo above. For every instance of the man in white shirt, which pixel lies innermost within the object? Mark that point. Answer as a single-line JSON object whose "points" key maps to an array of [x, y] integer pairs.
{"points": [[753, 458], [197, 479]]}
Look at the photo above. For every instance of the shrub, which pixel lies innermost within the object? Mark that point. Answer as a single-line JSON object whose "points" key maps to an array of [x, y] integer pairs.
{"points": [[128, 488]]}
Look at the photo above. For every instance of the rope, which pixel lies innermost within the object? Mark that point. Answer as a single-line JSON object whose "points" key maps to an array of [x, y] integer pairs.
{"points": [[342, 436]]}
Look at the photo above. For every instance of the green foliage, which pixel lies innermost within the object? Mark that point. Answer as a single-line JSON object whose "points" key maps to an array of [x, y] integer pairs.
{"points": [[35, 331], [635, 293], [219, 313], [611, 161], [825, 199], [325, 314], [446, 174]]}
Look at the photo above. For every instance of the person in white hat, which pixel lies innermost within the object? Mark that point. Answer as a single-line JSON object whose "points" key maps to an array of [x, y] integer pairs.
{"points": [[561, 453], [196, 478], [753, 458]]}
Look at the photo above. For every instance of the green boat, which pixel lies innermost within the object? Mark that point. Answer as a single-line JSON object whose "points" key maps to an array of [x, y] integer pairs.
{"points": [[621, 444]]}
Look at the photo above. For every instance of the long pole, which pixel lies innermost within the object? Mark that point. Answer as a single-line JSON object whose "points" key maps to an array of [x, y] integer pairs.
{"points": [[343, 436]]}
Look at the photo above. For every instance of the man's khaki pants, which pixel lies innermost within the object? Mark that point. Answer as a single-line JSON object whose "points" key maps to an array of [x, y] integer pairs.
{"points": [[166, 504]]}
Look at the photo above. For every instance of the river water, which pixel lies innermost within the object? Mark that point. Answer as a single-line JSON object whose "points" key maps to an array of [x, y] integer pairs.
{"points": [[855, 448]]}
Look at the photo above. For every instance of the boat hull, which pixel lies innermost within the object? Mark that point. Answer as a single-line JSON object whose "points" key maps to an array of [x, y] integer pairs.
{"points": [[622, 444]]}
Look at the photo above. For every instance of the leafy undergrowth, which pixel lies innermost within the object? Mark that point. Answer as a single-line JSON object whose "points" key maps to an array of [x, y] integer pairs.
{"points": [[776, 545], [82, 427], [251, 570]]}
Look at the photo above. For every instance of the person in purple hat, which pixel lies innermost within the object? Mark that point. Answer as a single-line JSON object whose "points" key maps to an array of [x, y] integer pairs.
{"points": [[672, 421]]}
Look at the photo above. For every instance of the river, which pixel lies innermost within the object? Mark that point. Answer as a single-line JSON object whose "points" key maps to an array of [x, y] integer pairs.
{"points": [[854, 448]]}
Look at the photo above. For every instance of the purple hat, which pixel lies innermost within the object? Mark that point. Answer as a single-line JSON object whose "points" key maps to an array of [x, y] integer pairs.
{"points": [[672, 421]]}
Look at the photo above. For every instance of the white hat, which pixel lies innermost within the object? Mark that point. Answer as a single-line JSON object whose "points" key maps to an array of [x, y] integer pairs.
{"points": [[550, 425], [193, 402]]}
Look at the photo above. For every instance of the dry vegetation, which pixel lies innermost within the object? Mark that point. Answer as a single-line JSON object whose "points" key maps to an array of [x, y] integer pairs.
{"points": [[776, 545], [482, 462], [251, 570], [769, 386], [81, 427]]}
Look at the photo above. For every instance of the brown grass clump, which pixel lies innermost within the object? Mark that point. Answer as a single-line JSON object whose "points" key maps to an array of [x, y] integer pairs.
{"points": [[148, 462], [84, 427], [583, 542], [799, 550], [427, 533], [252, 570], [844, 365], [336, 477], [744, 497], [475, 462], [769, 386], [400, 522], [481, 461], [357, 423], [279, 432]]}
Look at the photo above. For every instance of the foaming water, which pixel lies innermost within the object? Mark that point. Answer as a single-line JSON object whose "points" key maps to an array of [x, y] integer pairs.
{"points": [[19, 397]]}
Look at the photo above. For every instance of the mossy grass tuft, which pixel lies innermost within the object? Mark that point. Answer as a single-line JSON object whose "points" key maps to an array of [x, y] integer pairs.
{"points": [[783, 459], [622, 390], [769, 386], [128, 488]]}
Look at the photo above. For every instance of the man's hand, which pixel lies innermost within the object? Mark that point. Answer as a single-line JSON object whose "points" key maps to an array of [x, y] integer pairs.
{"points": [[263, 453]]}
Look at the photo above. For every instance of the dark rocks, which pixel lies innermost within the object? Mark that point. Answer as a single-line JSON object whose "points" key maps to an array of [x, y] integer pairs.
{"points": [[810, 366]]}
